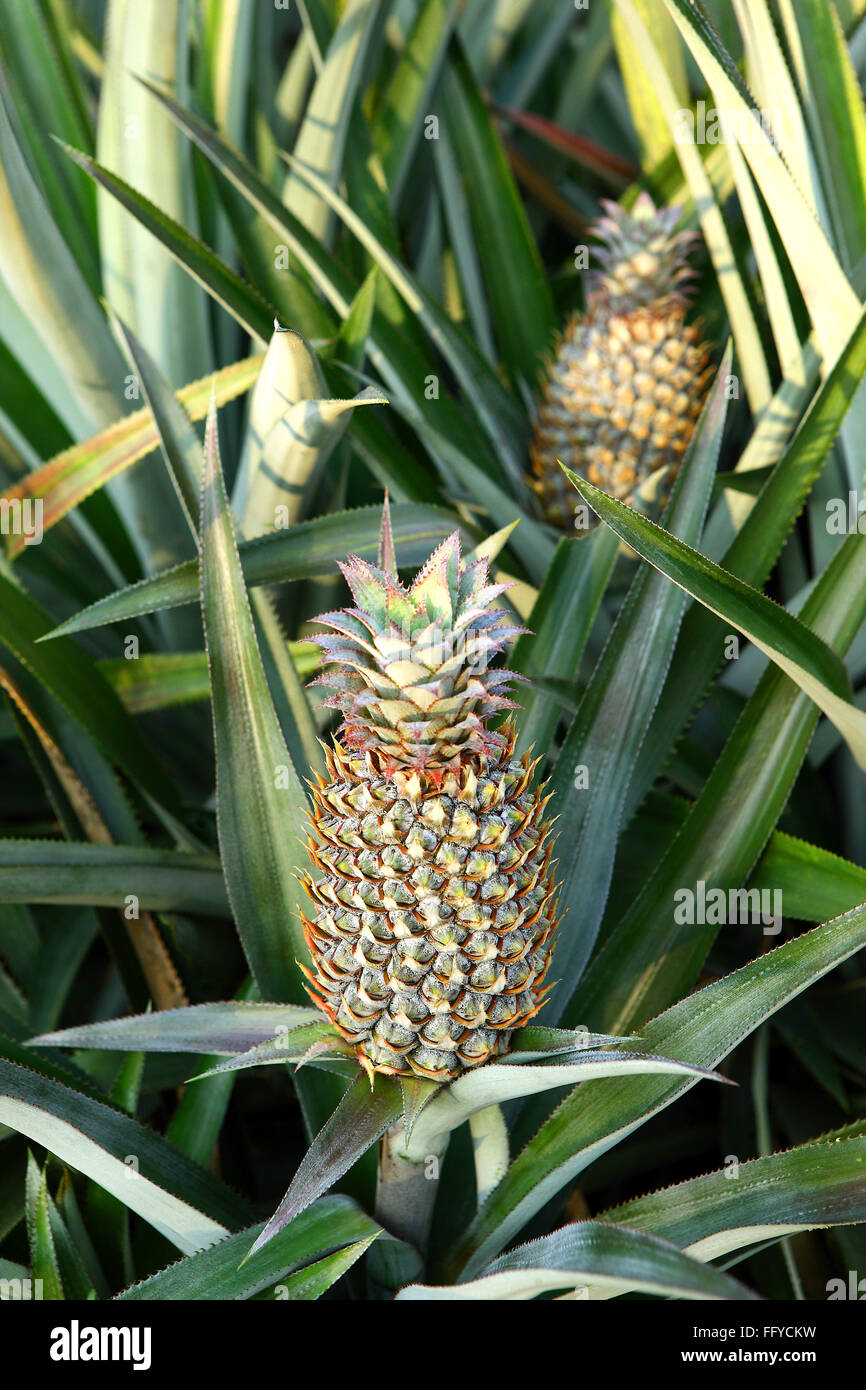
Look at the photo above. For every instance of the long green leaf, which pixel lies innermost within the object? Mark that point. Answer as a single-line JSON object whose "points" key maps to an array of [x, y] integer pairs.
{"points": [[835, 111], [705, 1026], [751, 555], [743, 326], [649, 957], [591, 1257], [314, 1280], [41, 274], [163, 880], [261, 807], [161, 680], [774, 631], [362, 1117], [201, 1109], [560, 623], [72, 678], [814, 883], [76, 1279], [398, 121], [818, 1184], [184, 1202], [520, 300], [494, 407], [647, 110], [181, 449], [47, 87], [494, 1084], [43, 1258], [222, 1273], [139, 141], [232, 1027], [321, 140], [65, 481], [309, 550], [403, 369], [313, 1044], [38, 268], [592, 772], [831, 301], [237, 297]]}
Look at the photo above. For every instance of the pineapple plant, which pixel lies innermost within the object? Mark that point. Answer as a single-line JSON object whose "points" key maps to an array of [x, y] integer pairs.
{"points": [[284, 928], [436, 916], [628, 378]]}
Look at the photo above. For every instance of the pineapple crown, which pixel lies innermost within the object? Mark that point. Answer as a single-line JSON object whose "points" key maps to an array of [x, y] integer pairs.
{"points": [[412, 676], [642, 258]]}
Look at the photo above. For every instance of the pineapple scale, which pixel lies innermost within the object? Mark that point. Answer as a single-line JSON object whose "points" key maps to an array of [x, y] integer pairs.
{"points": [[435, 908]]}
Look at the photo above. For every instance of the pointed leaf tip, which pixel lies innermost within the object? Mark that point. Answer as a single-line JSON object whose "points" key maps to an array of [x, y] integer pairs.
{"points": [[387, 554], [211, 436], [360, 1119]]}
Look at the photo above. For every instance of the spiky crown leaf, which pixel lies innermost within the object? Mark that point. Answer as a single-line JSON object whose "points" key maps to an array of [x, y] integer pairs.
{"points": [[412, 674], [642, 259]]}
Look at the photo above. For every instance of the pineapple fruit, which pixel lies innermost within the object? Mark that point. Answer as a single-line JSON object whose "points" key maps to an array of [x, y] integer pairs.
{"points": [[628, 379], [435, 903]]}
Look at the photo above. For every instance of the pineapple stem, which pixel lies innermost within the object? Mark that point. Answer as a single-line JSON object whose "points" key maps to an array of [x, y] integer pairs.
{"points": [[405, 1197]]}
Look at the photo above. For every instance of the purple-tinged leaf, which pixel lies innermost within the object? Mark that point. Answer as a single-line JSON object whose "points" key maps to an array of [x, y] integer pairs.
{"points": [[360, 1119], [226, 1028]]}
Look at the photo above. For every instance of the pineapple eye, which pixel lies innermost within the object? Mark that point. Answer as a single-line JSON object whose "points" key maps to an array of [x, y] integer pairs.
{"points": [[373, 829], [488, 977], [494, 831], [464, 826], [420, 841], [480, 865], [426, 879], [496, 888], [395, 861], [450, 857]]}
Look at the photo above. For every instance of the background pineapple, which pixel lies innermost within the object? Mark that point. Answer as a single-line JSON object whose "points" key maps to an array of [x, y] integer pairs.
{"points": [[436, 911], [628, 378]]}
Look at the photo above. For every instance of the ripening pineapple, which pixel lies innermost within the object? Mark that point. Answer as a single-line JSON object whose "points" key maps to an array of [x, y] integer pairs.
{"points": [[434, 891], [628, 379]]}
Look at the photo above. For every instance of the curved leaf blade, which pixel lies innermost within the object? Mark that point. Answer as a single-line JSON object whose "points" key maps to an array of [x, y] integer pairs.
{"points": [[235, 295], [229, 1028], [184, 1202], [362, 1116], [520, 300], [261, 827], [816, 1185], [65, 481], [705, 1026], [650, 958], [785, 639], [309, 550], [73, 679], [591, 1256], [222, 1273], [832, 303], [606, 734], [752, 553], [496, 1083], [52, 871], [815, 884]]}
